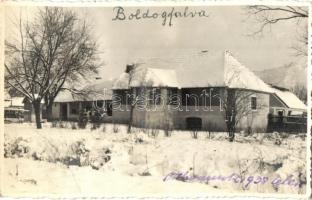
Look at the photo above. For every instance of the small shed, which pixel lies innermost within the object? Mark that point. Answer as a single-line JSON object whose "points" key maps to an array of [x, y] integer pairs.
{"points": [[97, 96], [14, 109]]}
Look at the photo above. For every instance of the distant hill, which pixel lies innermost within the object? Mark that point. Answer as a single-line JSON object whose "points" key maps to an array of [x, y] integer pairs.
{"points": [[292, 77], [287, 76]]}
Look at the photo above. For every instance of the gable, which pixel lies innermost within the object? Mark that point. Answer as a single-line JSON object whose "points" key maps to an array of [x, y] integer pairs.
{"points": [[236, 75], [276, 102], [290, 99]]}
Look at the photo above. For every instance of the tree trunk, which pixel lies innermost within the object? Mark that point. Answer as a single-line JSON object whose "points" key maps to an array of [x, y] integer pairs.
{"points": [[49, 111], [231, 114], [231, 135], [231, 130], [130, 119], [37, 109]]}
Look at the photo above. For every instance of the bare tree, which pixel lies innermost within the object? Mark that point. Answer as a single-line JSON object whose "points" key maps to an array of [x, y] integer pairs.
{"points": [[299, 47], [138, 93], [55, 48], [236, 104], [135, 93], [237, 101], [267, 16], [133, 100], [300, 91]]}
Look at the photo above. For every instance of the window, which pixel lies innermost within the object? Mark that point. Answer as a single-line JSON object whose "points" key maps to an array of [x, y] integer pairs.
{"points": [[122, 96], [109, 110], [253, 103], [74, 106], [172, 98], [87, 105], [98, 104], [154, 96], [139, 94]]}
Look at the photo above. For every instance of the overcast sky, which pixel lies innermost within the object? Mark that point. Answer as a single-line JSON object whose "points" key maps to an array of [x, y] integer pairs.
{"points": [[148, 41]]}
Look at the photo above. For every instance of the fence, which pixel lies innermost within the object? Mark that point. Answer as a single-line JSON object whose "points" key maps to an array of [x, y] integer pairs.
{"points": [[290, 124]]}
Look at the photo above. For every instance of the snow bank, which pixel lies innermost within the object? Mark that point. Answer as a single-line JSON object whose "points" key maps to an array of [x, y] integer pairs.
{"points": [[140, 161]]}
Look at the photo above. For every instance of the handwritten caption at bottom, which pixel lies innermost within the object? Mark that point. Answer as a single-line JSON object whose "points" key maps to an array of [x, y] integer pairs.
{"points": [[246, 181]]}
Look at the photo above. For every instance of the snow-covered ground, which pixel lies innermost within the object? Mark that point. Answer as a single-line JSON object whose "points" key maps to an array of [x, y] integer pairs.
{"points": [[110, 162]]}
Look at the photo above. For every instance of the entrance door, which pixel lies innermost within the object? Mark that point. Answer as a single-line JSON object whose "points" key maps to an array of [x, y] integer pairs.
{"points": [[64, 111]]}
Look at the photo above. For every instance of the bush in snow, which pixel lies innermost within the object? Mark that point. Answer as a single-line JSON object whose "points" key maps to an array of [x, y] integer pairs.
{"points": [[211, 127], [167, 131], [79, 148], [194, 134], [75, 153], [73, 126], [54, 124], [62, 124], [145, 130], [82, 120], [18, 147], [139, 140], [115, 128], [145, 173], [95, 126], [104, 156], [104, 128], [96, 119], [154, 133], [258, 130], [82, 123]]}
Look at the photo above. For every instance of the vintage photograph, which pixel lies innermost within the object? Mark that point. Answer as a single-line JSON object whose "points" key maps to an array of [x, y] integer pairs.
{"points": [[155, 101]]}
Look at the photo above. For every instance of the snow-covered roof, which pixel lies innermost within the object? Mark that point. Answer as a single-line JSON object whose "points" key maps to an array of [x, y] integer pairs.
{"points": [[290, 99], [14, 102], [236, 75], [211, 68], [147, 77], [217, 70], [7, 103], [202, 69], [97, 91], [67, 96], [25, 99], [6, 95]]}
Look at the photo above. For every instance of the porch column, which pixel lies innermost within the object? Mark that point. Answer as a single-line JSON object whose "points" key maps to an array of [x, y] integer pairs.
{"points": [[79, 107], [68, 110]]}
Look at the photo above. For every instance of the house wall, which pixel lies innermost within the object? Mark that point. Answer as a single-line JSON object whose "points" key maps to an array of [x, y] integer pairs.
{"points": [[73, 109], [256, 119], [275, 102], [56, 111], [145, 115], [121, 114], [212, 118], [70, 115], [276, 105], [155, 116], [30, 116], [211, 113]]}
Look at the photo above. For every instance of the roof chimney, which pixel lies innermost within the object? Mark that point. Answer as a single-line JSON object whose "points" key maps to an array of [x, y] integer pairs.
{"points": [[129, 68]]}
